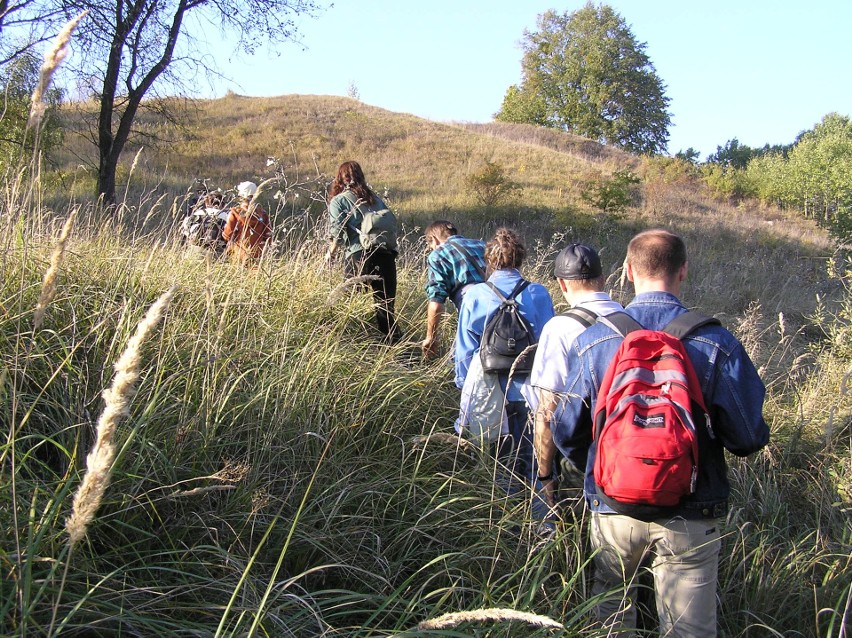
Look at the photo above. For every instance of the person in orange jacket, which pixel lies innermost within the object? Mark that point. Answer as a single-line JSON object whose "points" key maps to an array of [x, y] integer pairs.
{"points": [[248, 229]]}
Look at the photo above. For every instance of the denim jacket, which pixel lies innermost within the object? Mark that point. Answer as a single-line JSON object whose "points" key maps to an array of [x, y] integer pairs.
{"points": [[731, 386]]}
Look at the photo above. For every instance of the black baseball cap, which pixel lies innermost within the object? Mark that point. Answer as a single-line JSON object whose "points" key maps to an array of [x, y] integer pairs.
{"points": [[577, 261]]}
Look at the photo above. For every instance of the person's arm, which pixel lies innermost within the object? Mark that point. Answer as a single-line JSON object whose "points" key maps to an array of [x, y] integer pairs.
{"points": [[336, 226], [545, 448], [433, 319], [230, 226], [467, 337], [737, 405]]}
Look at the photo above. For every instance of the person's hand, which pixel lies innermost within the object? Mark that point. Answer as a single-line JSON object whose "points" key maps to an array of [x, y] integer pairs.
{"points": [[430, 347]]}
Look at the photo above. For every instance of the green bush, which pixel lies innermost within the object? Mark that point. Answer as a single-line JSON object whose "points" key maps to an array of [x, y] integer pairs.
{"points": [[611, 195], [491, 187], [728, 183]]}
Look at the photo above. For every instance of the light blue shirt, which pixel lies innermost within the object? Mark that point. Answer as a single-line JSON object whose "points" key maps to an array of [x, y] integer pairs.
{"points": [[479, 304], [550, 366]]}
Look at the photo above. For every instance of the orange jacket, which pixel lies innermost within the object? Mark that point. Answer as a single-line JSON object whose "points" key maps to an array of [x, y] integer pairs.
{"points": [[247, 235]]}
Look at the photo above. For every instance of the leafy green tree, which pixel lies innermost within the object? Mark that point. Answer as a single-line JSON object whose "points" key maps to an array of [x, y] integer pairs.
{"points": [[18, 79], [523, 106], [690, 155], [815, 177], [732, 154], [586, 73]]}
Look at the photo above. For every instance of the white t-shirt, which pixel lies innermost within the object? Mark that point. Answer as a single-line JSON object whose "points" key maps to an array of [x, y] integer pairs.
{"points": [[549, 371]]}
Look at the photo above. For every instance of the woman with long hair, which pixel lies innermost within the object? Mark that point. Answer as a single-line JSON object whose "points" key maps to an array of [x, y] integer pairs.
{"points": [[350, 201]]}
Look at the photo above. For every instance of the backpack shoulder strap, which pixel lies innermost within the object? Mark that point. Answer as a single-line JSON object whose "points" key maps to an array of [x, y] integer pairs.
{"points": [[496, 291], [689, 321], [523, 283], [466, 253], [621, 322], [583, 316]]}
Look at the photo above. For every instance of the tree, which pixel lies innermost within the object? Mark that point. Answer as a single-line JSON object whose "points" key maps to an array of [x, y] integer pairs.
{"points": [[24, 24], [585, 72], [134, 47], [17, 81], [815, 176]]}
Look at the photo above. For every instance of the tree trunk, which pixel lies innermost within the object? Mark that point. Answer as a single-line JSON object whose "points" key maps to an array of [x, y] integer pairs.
{"points": [[106, 178]]}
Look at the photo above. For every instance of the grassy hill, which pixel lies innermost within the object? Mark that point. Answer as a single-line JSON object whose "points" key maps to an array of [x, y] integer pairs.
{"points": [[278, 472]]}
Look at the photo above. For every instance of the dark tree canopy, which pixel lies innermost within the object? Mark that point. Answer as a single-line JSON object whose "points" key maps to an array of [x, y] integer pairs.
{"points": [[128, 48], [584, 72]]}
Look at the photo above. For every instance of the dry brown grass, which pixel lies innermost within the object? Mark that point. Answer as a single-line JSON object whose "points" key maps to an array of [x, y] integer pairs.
{"points": [[421, 166]]}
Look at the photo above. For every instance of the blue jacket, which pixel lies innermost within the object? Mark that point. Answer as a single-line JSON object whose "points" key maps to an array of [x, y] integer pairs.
{"points": [[479, 304], [731, 386]]}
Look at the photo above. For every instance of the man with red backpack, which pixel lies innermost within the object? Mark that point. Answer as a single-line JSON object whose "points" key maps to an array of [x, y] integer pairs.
{"points": [[655, 472]]}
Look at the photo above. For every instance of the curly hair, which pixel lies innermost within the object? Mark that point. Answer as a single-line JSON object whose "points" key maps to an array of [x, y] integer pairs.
{"points": [[350, 176], [505, 250]]}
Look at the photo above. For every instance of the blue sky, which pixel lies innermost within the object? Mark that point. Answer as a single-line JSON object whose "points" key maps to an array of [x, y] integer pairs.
{"points": [[756, 70]]}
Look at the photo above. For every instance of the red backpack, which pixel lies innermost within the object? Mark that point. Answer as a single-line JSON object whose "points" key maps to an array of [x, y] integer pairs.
{"points": [[646, 417]]}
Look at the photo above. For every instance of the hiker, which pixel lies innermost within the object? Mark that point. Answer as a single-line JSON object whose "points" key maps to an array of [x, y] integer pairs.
{"points": [[247, 230], [351, 203], [454, 264], [578, 272], [203, 227], [504, 255], [684, 542]]}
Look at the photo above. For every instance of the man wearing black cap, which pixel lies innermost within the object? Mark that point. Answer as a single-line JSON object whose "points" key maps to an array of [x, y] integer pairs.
{"points": [[578, 270]]}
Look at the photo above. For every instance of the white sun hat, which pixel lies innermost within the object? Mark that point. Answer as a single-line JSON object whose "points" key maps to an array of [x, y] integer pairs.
{"points": [[246, 189]]}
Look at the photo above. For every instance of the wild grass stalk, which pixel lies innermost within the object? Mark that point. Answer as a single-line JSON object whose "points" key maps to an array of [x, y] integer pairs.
{"points": [[48, 286], [117, 400], [52, 59]]}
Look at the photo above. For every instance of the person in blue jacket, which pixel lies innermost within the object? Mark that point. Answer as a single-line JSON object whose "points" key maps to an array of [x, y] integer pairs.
{"points": [[684, 544], [504, 255]]}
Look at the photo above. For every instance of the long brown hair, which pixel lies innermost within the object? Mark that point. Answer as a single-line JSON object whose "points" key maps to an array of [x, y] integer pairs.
{"points": [[350, 176]]}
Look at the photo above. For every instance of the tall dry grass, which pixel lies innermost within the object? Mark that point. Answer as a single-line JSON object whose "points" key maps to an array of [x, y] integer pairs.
{"points": [[280, 472]]}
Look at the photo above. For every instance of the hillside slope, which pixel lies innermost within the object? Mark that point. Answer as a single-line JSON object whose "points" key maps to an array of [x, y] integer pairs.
{"points": [[740, 256]]}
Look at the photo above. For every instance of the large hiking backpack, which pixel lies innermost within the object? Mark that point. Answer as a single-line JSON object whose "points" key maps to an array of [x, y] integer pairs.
{"points": [[378, 228], [646, 417], [204, 229], [253, 227], [507, 334]]}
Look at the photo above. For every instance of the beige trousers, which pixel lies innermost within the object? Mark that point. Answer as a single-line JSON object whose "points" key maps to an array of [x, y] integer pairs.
{"points": [[685, 565]]}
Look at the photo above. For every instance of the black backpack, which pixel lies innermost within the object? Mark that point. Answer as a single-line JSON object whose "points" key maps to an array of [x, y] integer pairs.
{"points": [[507, 334]]}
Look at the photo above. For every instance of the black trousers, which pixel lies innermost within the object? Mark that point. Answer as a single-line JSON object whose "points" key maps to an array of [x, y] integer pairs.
{"points": [[382, 264]]}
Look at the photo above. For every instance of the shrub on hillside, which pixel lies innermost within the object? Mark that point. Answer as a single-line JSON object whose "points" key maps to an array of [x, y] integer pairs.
{"points": [[613, 194], [728, 184], [671, 170], [491, 187]]}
